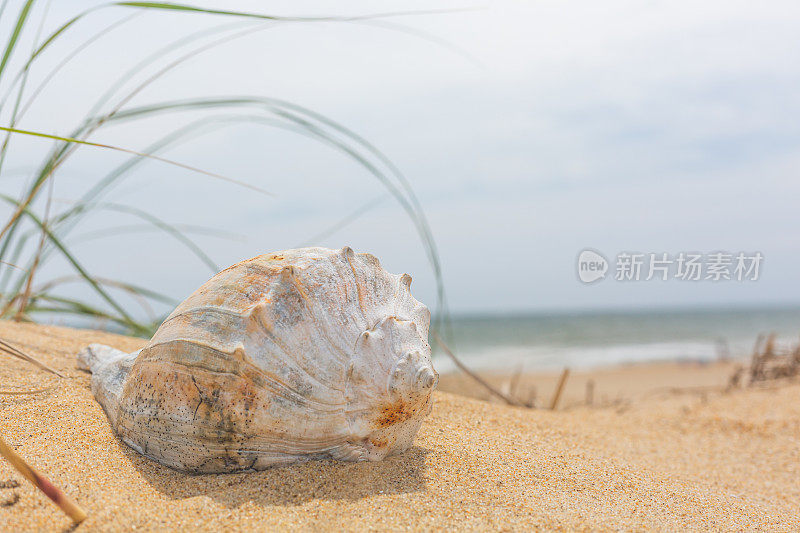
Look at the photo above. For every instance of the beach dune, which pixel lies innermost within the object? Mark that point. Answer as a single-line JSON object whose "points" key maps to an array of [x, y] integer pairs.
{"points": [[663, 463]]}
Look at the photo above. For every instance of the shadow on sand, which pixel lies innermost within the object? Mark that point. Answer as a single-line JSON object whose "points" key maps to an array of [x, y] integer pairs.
{"points": [[292, 484]]}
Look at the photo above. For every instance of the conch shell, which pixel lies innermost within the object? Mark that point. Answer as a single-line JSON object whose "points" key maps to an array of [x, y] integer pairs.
{"points": [[301, 354]]}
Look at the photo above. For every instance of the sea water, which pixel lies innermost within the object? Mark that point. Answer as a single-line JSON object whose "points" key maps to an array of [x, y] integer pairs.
{"points": [[543, 341]]}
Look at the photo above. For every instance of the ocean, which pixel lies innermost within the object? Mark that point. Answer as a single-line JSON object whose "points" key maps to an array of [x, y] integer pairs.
{"points": [[544, 341]]}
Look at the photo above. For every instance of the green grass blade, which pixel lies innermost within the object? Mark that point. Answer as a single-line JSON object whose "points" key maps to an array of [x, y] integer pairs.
{"points": [[71, 259], [15, 257], [172, 65], [187, 229], [61, 64], [12, 40], [51, 39], [186, 8], [20, 92], [78, 308], [127, 287], [167, 228], [155, 56], [140, 154], [58, 32], [167, 6], [425, 36], [3, 8]]}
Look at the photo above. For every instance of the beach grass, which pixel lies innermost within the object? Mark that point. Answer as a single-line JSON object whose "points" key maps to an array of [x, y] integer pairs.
{"points": [[36, 230]]}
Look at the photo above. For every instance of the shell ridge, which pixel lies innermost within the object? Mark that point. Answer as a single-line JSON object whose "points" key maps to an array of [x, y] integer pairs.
{"points": [[347, 253], [349, 447], [357, 321], [356, 404], [388, 363], [387, 368], [313, 313], [295, 395], [203, 309], [400, 291], [257, 318]]}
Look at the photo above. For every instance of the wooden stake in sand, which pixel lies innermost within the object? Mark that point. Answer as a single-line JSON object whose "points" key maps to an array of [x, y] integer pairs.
{"points": [[560, 387], [590, 392], [77, 514]]}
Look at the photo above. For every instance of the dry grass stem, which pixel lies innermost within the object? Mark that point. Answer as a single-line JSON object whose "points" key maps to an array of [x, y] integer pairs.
{"points": [[66, 504], [505, 397], [16, 352]]}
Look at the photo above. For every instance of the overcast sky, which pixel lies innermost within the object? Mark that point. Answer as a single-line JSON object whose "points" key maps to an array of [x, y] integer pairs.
{"points": [[533, 131]]}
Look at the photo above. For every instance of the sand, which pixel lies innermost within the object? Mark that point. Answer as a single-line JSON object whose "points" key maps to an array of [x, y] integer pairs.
{"points": [[613, 386], [664, 462]]}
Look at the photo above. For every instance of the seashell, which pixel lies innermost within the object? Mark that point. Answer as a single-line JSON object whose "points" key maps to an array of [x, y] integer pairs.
{"points": [[296, 355]]}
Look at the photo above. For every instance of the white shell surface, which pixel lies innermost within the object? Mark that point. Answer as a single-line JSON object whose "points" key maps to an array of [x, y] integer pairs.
{"points": [[300, 354]]}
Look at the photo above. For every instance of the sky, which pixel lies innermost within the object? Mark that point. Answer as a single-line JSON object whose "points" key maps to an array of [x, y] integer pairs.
{"points": [[529, 131]]}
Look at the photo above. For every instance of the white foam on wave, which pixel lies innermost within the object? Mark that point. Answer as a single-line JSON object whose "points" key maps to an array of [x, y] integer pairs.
{"points": [[544, 357]]}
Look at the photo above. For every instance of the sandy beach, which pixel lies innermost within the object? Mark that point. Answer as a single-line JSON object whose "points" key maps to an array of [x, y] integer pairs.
{"points": [[658, 461], [613, 386]]}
